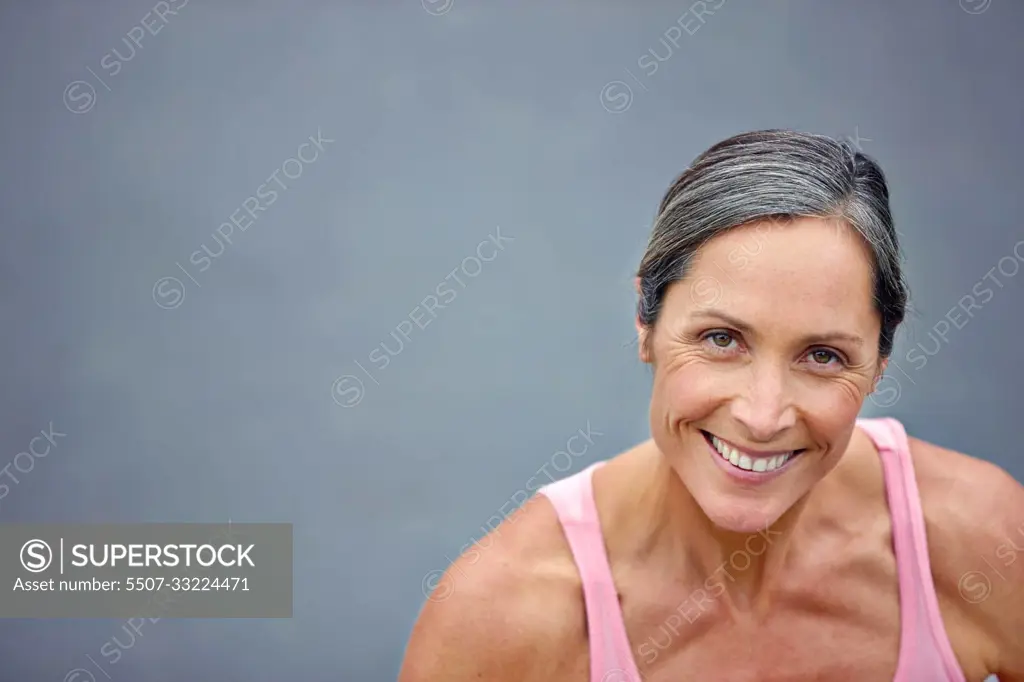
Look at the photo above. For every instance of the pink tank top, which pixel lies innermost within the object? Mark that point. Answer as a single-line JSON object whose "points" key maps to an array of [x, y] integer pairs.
{"points": [[925, 651]]}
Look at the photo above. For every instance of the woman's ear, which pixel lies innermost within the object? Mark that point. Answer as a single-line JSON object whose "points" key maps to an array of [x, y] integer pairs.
{"points": [[882, 365], [642, 338], [642, 332]]}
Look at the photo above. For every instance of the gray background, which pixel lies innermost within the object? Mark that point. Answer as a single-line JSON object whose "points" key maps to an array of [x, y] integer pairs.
{"points": [[447, 124]]}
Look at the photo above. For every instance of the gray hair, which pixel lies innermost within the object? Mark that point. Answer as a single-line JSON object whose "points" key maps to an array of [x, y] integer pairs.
{"points": [[775, 175]]}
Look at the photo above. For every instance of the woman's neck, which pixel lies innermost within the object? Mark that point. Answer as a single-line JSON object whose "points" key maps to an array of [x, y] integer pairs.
{"points": [[735, 570]]}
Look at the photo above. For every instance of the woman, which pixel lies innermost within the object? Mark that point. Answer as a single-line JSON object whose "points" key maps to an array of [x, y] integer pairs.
{"points": [[764, 532]]}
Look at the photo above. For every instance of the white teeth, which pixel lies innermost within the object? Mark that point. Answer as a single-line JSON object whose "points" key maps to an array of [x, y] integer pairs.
{"points": [[745, 462]]}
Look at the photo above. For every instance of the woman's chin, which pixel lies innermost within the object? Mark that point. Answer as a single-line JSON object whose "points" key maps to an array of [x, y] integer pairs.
{"points": [[740, 501]]}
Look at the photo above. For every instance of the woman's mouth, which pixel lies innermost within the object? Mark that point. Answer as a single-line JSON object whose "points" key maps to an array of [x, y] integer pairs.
{"points": [[745, 462]]}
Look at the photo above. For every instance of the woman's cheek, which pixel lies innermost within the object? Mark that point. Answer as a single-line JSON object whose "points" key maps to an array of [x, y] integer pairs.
{"points": [[841, 398], [830, 408], [693, 385]]}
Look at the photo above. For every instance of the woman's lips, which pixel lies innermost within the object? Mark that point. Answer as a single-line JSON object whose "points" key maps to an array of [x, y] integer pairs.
{"points": [[747, 464]]}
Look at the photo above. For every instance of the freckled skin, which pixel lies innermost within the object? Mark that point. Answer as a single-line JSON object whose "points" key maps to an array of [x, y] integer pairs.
{"points": [[705, 593]]}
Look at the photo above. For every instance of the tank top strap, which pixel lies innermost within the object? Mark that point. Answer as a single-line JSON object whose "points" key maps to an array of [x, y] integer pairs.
{"points": [[611, 659], [925, 649]]}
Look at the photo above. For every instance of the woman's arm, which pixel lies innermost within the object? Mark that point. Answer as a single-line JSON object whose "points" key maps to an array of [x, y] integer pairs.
{"points": [[1005, 613], [473, 635], [507, 610], [975, 515]]}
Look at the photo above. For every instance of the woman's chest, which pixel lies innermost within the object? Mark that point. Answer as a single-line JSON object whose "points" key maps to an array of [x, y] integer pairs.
{"points": [[841, 621], [837, 632], [800, 643], [836, 618]]}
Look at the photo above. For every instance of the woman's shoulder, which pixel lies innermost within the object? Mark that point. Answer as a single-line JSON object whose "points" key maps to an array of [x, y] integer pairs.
{"points": [[967, 494], [510, 601], [974, 522], [970, 505]]}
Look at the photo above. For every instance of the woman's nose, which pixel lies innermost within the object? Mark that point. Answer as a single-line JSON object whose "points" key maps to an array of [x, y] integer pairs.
{"points": [[765, 407]]}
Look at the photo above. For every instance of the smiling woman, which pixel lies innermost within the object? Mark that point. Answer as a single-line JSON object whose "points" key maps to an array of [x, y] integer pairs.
{"points": [[764, 532]]}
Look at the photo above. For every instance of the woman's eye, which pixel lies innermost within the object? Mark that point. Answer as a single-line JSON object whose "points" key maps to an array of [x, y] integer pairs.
{"points": [[822, 356], [720, 339]]}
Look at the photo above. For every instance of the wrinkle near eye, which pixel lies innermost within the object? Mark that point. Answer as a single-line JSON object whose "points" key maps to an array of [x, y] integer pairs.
{"points": [[677, 354], [851, 387]]}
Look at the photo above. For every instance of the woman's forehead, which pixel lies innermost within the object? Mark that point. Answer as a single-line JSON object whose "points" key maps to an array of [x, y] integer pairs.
{"points": [[779, 237], [805, 269], [808, 253]]}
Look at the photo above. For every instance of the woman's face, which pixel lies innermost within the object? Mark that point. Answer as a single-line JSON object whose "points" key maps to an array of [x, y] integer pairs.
{"points": [[762, 358]]}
